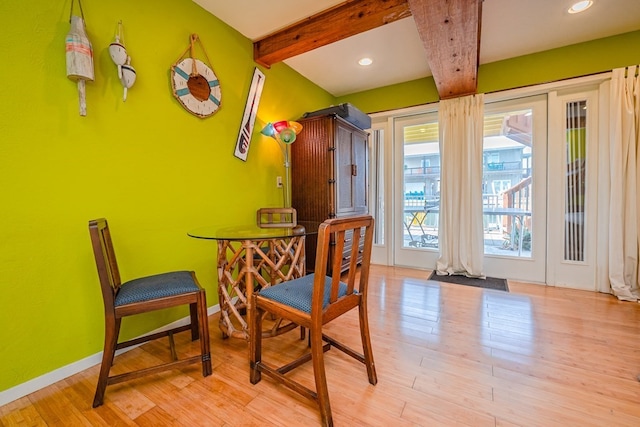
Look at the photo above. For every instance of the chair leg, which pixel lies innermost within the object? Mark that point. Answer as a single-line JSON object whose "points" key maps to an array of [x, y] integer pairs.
{"points": [[255, 342], [317, 358], [202, 324], [111, 332], [193, 313], [366, 343]]}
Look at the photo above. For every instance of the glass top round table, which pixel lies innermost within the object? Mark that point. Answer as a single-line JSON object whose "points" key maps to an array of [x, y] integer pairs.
{"points": [[253, 232], [251, 258]]}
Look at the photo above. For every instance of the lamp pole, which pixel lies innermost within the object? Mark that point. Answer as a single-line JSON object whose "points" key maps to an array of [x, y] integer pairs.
{"points": [[285, 133], [287, 172]]}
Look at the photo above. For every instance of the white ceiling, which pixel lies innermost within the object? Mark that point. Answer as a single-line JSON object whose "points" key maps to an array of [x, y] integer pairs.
{"points": [[510, 28]]}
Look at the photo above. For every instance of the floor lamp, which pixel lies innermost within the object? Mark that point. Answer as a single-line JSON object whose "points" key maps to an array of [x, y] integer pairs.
{"points": [[285, 133]]}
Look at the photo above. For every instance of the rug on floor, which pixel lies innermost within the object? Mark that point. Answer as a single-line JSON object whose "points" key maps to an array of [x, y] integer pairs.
{"points": [[488, 283]]}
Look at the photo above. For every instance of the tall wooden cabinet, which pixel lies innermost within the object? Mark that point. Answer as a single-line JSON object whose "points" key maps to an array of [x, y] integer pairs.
{"points": [[329, 173]]}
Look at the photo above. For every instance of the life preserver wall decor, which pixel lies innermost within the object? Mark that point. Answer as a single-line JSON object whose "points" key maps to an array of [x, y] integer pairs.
{"points": [[194, 83]]}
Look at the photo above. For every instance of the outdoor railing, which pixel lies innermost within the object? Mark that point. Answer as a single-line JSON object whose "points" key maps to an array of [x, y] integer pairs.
{"points": [[490, 167], [518, 196]]}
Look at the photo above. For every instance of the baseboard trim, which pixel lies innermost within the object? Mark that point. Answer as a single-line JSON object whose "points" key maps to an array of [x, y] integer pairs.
{"points": [[59, 374]]}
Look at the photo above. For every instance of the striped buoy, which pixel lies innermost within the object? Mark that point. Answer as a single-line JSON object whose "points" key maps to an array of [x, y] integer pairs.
{"points": [[79, 59]]}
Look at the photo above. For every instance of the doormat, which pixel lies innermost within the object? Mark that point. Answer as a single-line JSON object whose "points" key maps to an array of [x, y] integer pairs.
{"points": [[488, 283]]}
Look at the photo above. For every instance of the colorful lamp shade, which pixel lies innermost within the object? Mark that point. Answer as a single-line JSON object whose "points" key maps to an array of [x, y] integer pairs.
{"points": [[283, 131]]}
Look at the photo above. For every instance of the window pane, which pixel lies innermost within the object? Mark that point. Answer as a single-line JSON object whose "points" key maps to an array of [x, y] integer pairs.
{"points": [[575, 185], [506, 183], [421, 185], [377, 175]]}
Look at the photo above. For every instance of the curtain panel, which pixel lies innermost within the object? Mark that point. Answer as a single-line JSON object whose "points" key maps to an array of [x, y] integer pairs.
{"points": [[460, 232], [624, 183]]}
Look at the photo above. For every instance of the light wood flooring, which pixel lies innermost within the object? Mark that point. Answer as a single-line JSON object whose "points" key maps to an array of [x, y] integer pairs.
{"points": [[446, 355]]}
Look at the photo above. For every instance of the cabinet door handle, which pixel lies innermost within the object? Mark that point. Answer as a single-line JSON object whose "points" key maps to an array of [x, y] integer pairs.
{"points": [[354, 170]]}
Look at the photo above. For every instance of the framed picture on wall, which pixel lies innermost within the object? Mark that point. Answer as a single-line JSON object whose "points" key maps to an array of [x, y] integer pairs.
{"points": [[249, 117]]}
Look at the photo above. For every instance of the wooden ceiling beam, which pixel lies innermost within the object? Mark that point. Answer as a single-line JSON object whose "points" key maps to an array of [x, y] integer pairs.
{"points": [[329, 26], [450, 32]]}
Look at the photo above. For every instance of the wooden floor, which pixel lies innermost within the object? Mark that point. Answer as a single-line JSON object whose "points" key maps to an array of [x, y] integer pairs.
{"points": [[446, 355]]}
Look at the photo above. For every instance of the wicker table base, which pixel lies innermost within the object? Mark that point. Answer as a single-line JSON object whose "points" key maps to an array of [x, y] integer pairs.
{"points": [[245, 266]]}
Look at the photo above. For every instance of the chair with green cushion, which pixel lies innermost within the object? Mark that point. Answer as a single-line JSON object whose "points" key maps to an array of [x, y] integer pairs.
{"points": [[312, 301], [142, 295]]}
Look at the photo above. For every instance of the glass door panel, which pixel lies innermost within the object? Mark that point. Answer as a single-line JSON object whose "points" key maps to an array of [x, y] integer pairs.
{"points": [[507, 182], [575, 191], [417, 189], [421, 189]]}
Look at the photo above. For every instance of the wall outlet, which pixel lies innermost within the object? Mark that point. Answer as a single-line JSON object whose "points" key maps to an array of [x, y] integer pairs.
{"points": [[279, 182]]}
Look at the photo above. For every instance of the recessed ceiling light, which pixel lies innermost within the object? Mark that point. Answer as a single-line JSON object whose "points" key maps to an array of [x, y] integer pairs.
{"points": [[580, 6], [365, 61]]}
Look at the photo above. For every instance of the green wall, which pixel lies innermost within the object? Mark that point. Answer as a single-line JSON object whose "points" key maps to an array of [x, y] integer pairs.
{"points": [[154, 170], [151, 168], [557, 64]]}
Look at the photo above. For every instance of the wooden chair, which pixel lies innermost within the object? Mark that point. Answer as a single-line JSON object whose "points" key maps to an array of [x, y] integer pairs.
{"points": [[139, 296], [277, 217], [314, 300], [272, 218]]}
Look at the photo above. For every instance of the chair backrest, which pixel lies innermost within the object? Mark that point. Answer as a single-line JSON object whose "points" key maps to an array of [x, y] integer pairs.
{"points": [[106, 263], [347, 233], [277, 218]]}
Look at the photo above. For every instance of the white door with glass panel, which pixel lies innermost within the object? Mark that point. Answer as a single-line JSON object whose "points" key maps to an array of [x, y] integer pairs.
{"points": [[572, 203], [514, 188]]}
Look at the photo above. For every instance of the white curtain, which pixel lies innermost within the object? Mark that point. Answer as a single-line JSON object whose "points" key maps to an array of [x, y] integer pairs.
{"points": [[624, 180], [460, 233]]}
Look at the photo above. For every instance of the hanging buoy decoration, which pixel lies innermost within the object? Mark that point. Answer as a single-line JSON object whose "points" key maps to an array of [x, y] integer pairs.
{"points": [[119, 55], [128, 77], [79, 56], [117, 51]]}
